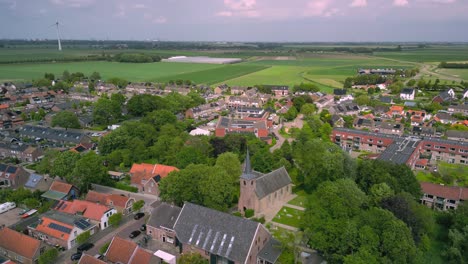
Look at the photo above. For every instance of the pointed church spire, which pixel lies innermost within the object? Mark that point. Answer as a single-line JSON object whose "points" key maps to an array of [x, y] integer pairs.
{"points": [[247, 173]]}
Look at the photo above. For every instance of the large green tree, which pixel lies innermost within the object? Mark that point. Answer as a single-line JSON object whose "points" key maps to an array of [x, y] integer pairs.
{"points": [[89, 169], [65, 119], [64, 164], [106, 111]]}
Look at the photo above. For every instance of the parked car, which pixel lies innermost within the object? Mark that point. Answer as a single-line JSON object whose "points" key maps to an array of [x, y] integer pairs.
{"points": [[85, 247], [135, 234], [143, 227], [76, 256], [138, 216], [22, 212]]}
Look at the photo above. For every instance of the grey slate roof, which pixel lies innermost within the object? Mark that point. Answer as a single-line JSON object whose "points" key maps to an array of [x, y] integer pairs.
{"points": [[164, 215], [271, 251], [400, 151], [12, 146], [457, 134], [219, 233], [270, 182], [52, 134]]}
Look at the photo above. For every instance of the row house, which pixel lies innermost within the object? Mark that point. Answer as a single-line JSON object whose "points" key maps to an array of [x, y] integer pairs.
{"points": [[121, 203], [23, 152], [125, 251], [239, 101], [227, 126], [205, 110], [57, 228], [445, 118], [98, 214], [13, 176], [10, 119], [160, 225], [460, 109], [20, 248], [445, 150], [238, 90], [457, 135], [60, 136], [279, 91], [438, 196], [361, 140], [389, 128], [324, 101], [346, 108], [423, 131]]}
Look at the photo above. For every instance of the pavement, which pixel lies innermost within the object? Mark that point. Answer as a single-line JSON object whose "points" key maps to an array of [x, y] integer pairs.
{"points": [[10, 217], [148, 198], [297, 122]]}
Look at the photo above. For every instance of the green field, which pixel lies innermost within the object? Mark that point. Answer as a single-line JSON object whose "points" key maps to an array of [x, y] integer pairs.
{"points": [[436, 54], [461, 73]]}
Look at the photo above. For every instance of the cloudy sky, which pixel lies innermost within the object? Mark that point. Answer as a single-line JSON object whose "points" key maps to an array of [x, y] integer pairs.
{"points": [[238, 20]]}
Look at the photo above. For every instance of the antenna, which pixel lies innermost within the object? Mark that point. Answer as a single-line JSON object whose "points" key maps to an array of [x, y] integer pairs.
{"points": [[56, 24]]}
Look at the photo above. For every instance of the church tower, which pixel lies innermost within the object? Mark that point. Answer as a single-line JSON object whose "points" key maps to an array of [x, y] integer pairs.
{"points": [[247, 187]]}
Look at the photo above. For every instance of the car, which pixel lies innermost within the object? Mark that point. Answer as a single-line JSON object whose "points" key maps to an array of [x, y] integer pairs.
{"points": [[138, 216], [85, 247], [134, 234], [143, 227], [22, 212], [76, 256]]}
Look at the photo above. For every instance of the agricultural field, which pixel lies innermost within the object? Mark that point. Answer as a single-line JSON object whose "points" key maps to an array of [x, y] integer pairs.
{"points": [[435, 54], [461, 73]]}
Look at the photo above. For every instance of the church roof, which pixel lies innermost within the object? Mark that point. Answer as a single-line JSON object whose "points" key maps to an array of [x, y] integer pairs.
{"points": [[271, 182], [248, 173]]}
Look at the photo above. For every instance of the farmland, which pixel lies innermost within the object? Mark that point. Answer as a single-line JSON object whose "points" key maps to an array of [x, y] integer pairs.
{"points": [[327, 70]]}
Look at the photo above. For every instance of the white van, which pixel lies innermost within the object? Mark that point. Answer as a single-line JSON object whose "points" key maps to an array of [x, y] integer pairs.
{"points": [[7, 207]]}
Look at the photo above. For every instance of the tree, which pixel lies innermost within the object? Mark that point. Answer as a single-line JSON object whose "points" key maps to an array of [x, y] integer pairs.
{"points": [[229, 162], [119, 82], [192, 258], [362, 100], [138, 205], [308, 109], [49, 76], [64, 164], [83, 237], [49, 256], [31, 202], [291, 114], [65, 119], [411, 83], [139, 105], [106, 111], [160, 118], [66, 77], [95, 76], [89, 169], [119, 98], [115, 219]]}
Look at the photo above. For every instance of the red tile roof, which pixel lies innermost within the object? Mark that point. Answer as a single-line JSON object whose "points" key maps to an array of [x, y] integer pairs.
{"points": [[43, 227], [19, 243], [108, 199], [448, 192], [146, 171], [141, 256], [120, 250], [87, 259], [89, 209], [60, 187], [96, 197], [422, 162]]}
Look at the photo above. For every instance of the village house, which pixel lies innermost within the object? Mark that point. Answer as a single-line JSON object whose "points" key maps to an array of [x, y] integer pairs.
{"points": [[160, 225], [442, 197], [407, 94], [279, 91], [237, 90], [324, 101], [461, 109], [128, 252], [206, 110], [240, 101], [10, 119], [395, 111], [346, 108], [445, 96], [337, 121], [224, 238], [386, 99], [445, 118], [258, 128], [339, 92], [123, 204], [383, 72], [423, 131], [88, 259], [417, 117], [61, 191], [20, 151], [220, 89], [19, 247], [98, 214], [12, 176], [57, 228], [261, 192], [146, 177]]}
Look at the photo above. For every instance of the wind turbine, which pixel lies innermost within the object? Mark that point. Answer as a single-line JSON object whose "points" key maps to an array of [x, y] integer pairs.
{"points": [[56, 24]]}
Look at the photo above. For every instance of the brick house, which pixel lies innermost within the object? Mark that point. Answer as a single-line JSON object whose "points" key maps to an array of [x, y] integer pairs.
{"points": [[12, 176], [98, 213], [146, 177], [88, 259], [19, 247], [224, 238], [57, 228], [160, 225], [407, 94], [61, 191], [260, 191], [257, 127], [123, 204], [280, 91], [22, 152], [442, 197], [125, 251]]}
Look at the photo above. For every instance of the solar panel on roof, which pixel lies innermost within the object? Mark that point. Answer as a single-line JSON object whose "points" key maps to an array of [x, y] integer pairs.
{"points": [[82, 224], [11, 169], [60, 228]]}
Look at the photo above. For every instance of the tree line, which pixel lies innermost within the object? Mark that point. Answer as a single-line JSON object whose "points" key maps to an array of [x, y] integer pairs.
{"points": [[453, 65]]}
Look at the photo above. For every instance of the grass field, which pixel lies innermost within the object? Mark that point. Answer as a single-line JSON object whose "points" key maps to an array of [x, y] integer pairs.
{"points": [[289, 216], [436, 54], [461, 73]]}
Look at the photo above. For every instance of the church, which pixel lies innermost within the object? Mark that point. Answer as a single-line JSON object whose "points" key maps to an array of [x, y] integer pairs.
{"points": [[261, 192]]}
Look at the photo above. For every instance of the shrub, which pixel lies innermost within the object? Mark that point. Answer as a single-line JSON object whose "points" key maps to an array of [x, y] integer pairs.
{"points": [[259, 219], [48, 256], [81, 238], [104, 248], [128, 188], [249, 213], [115, 219], [237, 214]]}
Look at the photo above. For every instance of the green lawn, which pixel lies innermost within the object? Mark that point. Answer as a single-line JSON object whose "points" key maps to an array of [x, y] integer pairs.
{"points": [[289, 216], [455, 171], [299, 201], [423, 176], [460, 73]]}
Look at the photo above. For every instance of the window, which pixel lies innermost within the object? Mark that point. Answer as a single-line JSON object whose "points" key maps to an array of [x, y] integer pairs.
{"points": [[370, 145], [452, 149], [244, 183], [437, 147]]}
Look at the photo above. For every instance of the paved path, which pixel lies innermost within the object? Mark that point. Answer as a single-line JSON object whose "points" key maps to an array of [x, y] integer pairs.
{"points": [[284, 226], [295, 207], [297, 122], [148, 198]]}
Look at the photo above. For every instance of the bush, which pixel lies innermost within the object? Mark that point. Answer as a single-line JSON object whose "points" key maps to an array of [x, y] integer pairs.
{"points": [[48, 256], [237, 214], [249, 213], [125, 187], [138, 205], [104, 248], [259, 219], [81, 238]]}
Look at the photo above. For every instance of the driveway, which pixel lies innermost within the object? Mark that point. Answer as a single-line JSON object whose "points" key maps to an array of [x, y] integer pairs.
{"points": [[148, 198], [297, 122]]}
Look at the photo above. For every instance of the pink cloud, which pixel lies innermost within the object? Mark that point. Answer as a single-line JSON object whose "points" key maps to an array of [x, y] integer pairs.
{"points": [[359, 3], [400, 2], [318, 8], [240, 4]]}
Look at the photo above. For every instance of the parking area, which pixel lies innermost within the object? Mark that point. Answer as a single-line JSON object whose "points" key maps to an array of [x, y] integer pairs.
{"points": [[11, 217]]}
